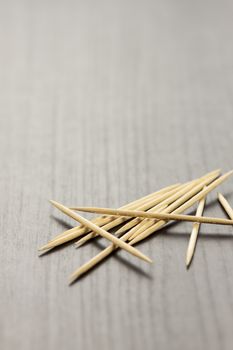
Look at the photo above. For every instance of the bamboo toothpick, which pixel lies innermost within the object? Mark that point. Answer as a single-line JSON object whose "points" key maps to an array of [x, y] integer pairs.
{"points": [[107, 251], [146, 223], [115, 221], [194, 234], [137, 223], [225, 204], [208, 178], [186, 204], [177, 207], [100, 221], [146, 198], [158, 200], [96, 260], [173, 216], [159, 216], [73, 233], [84, 239], [100, 231]]}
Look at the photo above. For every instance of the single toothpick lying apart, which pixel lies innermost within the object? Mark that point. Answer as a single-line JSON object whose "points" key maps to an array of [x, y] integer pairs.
{"points": [[100, 231], [225, 205], [194, 234]]}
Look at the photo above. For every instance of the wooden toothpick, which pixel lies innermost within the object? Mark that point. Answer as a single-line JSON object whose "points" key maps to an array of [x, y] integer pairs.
{"points": [[100, 231], [225, 204], [84, 239], [172, 216], [148, 204], [115, 221], [137, 223], [96, 259], [159, 216], [167, 191], [187, 203], [107, 251], [73, 233], [81, 230], [131, 224], [146, 198], [163, 200], [146, 223], [177, 207], [100, 221], [194, 234]]}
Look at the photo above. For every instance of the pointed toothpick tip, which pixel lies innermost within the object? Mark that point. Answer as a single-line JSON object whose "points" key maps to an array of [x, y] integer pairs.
{"points": [[229, 173], [41, 252], [43, 248], [188, 262], [72, 279], [53, 202]]}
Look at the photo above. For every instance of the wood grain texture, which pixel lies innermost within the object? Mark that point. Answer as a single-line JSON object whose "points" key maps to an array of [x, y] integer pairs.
{"points": [[102, 102]]}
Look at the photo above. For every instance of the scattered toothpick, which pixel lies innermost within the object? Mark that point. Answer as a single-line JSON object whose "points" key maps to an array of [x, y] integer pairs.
{"points": [[157, 215], [144, 217], [186, 202], [169, 216], [156, 201], [108, 223], [194, 234], [225, 205], [98, 230], [96, 259], [183, 189], [107, 251], [164, 201]]}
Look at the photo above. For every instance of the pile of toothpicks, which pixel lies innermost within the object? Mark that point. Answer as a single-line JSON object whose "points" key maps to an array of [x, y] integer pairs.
{"points": [[143, 217]]}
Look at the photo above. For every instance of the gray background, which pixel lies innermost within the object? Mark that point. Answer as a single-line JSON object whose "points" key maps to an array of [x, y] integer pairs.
{"points": [[102, 102]]}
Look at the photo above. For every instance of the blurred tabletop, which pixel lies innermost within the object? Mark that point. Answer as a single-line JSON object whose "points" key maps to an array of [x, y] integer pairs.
{"points": [[102, 102]]}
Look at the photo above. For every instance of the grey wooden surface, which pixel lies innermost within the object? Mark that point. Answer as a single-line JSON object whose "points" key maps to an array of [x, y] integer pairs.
{"points": [[102, 102]]}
